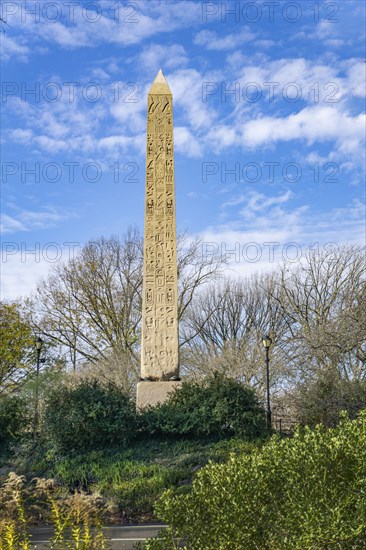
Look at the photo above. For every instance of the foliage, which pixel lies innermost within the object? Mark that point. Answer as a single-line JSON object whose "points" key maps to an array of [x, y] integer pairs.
{"points": [[78, 517], [89, 416], [11, 420], [130, 480], [321, 401], [301, 493], [133, 479], [16, 346], [218, 406]]}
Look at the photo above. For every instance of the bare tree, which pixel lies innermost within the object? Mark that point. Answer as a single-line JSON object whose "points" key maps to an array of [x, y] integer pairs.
{"points": [[323, 302], [92, 305], [314, 311], [227, 323], [195, 271], [116, 369]]}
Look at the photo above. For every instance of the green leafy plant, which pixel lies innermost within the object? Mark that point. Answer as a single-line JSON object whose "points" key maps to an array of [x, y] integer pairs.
{"points": [[17, 356], [306, 492], [132, 479], [12, 418], [89, 416], [216, 407]]}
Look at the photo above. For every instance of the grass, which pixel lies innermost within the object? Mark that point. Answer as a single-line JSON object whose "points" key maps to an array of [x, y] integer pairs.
{"points": [[131, 480]]}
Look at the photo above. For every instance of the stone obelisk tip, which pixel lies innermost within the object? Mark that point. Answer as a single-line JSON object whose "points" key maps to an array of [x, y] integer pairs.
{"points": [[160, 85]]}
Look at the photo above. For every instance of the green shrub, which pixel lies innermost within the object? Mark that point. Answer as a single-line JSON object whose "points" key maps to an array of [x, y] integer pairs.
{"points": [[89, 416], [217, 407], [12, 418], [307, 492]]}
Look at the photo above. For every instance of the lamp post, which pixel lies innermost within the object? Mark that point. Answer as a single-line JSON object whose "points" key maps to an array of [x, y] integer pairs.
{"points": [[39, 344], [267, 341]]}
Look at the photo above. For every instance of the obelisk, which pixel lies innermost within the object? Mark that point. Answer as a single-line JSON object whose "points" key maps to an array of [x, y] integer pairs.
{"points": [[159, 344]]}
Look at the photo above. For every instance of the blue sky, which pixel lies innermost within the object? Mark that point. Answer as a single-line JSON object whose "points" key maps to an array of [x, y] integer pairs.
{"points": [[268, 114]]}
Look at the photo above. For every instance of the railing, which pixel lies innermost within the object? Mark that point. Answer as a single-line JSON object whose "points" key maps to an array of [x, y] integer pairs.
{"points": [[284, 425]]}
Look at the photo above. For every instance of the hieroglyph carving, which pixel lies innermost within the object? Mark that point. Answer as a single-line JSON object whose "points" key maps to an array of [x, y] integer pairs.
{"points": [[159, 353]]}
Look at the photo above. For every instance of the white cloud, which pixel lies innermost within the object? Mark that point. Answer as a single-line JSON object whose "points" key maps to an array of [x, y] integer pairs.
{"points": [[26, 220], [131, 114], [100, 74], [52, 145], [330, 33], [23, 264], [212, 41], [156, 56], [263, 233], [57, 127], [356, 77], [257, 202], [117, 143], [311, 124], [329, 117], [222, 137], [19, 275], [9, 224], [185, 142], [19, 135], [259, 216], [124, 24], [186, 86], [266, 43], [289, 79], [300, 79], [11, 49], [251, 130]]}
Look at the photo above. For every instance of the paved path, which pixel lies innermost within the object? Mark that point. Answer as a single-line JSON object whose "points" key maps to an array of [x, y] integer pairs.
{"points": [[121, 537]]}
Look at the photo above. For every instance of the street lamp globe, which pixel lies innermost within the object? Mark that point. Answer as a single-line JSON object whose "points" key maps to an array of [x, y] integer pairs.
{"points": [[267, 341], [39, 343]]}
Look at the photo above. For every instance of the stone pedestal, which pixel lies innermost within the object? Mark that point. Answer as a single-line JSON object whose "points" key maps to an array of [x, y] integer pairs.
{"points": [[152, 393]]}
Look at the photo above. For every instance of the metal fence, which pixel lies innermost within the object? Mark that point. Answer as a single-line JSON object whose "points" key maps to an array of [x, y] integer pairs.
{"points": [[284, 425]]}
